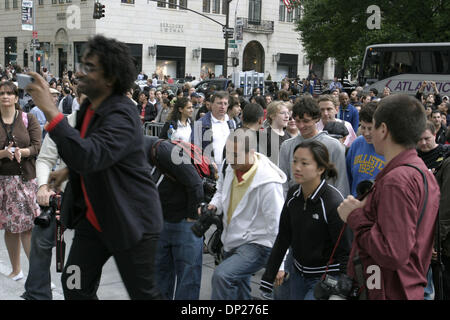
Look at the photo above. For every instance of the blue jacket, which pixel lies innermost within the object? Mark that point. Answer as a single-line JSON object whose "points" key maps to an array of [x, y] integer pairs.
{"points": [[112, 161], [350, 114]]}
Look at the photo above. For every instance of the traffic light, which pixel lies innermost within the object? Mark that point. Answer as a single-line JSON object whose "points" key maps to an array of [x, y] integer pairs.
{"points": [[99, 10]]}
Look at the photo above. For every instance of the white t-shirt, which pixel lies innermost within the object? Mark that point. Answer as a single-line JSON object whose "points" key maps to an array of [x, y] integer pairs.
{"points": [[183, 132], [220, 132]]}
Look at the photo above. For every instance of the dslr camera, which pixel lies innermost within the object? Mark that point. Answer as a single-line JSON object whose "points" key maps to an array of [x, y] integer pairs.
{"points": [[209, 189], [206, 219], [47, 213], [336, 288]]}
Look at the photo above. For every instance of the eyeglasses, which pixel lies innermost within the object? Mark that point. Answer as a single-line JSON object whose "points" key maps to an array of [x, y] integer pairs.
{"points": [[85, 68], [8, 93]]}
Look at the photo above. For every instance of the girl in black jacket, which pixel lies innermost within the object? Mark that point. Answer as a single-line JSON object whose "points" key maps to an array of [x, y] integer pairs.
{"points": [[309, 224]]}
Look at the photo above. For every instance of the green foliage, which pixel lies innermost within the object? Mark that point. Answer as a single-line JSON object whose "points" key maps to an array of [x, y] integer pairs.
{"points": [[338, 28]]}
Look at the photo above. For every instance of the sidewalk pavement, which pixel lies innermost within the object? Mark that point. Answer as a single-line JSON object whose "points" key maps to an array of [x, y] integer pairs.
{"points": [[111, 285]]}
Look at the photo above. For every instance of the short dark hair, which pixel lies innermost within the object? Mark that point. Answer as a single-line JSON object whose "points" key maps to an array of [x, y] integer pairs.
{"points": [[115, 59], [404, 117], [252, 113], [435, 111], [220, 95], [375, 91], [306, 105], [367, 111], [321, 156]]}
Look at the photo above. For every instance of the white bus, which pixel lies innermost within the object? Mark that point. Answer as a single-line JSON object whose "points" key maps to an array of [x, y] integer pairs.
{"points": [[403, 67]]}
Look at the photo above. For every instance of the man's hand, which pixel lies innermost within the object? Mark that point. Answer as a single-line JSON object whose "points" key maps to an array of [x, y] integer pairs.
{"points": [[348, 205], [281, 275], [40, 92], [44, 194], [56, 178], [210, 207]]}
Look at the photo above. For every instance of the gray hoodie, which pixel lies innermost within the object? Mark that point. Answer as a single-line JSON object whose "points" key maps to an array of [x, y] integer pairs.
{"points": [[337, 155]]}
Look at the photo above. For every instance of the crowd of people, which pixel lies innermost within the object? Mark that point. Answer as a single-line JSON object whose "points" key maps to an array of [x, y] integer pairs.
{"points": [[306, 182]]}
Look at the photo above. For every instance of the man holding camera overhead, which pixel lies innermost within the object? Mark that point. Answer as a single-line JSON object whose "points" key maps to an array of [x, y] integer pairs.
{"points": [[250, 196]]}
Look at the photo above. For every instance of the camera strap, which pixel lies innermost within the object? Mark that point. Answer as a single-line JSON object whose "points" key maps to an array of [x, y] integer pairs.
{"points": [[334, 250], [9, 134]]}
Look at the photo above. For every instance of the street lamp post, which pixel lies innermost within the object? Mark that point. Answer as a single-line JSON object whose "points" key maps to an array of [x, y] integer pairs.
{"points": [[227, 18]]}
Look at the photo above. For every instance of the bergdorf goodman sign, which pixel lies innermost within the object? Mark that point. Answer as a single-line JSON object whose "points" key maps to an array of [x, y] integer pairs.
{"points": [[171, 27]]}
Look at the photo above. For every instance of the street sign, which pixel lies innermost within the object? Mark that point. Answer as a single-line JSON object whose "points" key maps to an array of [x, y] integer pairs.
{"points": [[232, 41], [232, 46], [228, 35], [35, 34]]}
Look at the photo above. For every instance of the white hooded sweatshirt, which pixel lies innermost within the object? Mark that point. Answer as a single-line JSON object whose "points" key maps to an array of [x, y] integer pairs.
{"points": [[256, 217]]}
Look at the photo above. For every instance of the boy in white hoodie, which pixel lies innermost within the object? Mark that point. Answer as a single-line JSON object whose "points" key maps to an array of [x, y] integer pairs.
{"points": [[250, 196]]}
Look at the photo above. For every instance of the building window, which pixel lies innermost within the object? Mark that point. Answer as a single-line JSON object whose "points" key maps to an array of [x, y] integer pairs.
{"points": [[224, 6], [290, 16], [216, 6], [6, 4], [282, 11], [61, 1], [254, 11], [183, 3], [298, 13], [15, 6], [161, 4], [171, 4], [53, 1], [41, 2], [206, 6], [128, 1]]}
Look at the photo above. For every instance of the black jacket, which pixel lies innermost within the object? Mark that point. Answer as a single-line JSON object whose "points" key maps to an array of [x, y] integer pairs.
{"points": [[180, 197], [312, 229], [151, 111], [112, 162]]}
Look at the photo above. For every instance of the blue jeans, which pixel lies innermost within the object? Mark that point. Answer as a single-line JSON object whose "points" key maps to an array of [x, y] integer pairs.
{"points": [[37, 286], [283, 292], [179, 261], [231, 278], [302, 288], [429, 289]]}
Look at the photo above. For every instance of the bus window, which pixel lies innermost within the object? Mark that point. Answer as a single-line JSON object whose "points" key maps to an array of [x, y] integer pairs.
{"points": [[372, 67]]}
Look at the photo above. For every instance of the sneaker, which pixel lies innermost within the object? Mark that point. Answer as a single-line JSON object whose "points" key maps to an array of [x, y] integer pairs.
{"points": [[52, 286], [18, 276]]}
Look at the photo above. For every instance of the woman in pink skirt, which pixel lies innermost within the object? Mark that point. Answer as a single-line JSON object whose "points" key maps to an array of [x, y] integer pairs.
{"points": [[20, 142]]}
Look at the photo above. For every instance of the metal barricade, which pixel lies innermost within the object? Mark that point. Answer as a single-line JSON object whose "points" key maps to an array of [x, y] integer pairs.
{"points": [[153, 128]]}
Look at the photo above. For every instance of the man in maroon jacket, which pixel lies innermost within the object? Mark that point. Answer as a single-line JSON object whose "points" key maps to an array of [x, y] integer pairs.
{"points": [[394, 242]]}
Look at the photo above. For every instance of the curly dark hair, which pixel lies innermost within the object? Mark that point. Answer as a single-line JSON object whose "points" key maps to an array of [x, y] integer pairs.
{"points": [[115, 59]]}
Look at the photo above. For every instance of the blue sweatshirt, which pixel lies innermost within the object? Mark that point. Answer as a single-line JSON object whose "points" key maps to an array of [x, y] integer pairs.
{"points": [[363, 163]]}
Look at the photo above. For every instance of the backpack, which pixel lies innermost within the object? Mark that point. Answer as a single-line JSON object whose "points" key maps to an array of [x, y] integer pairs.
{"points": [[67, 105], [202, 164]]}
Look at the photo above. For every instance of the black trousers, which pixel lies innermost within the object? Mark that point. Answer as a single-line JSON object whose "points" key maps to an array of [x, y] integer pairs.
{"points": [[88, 254]]}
